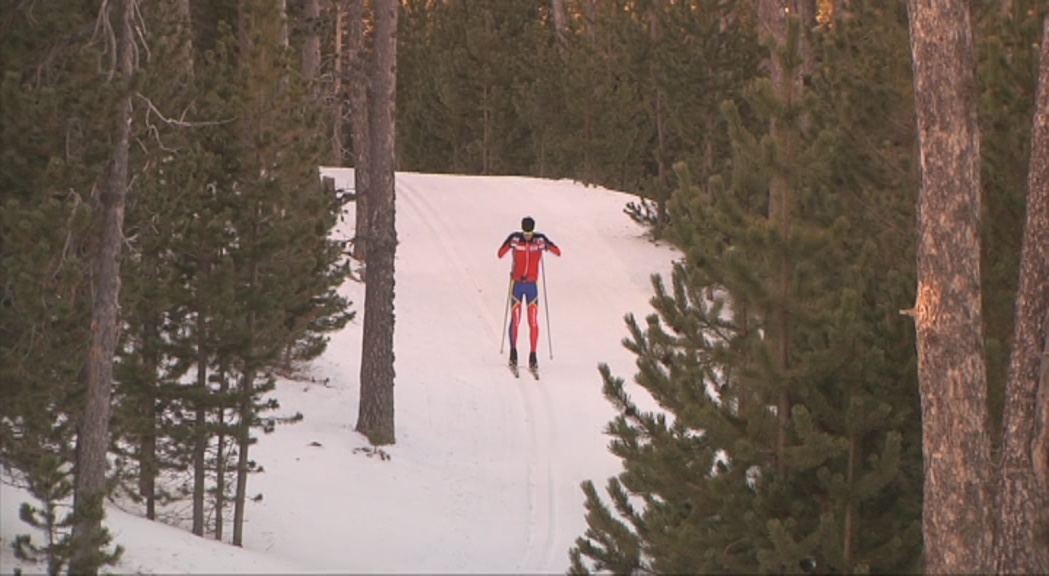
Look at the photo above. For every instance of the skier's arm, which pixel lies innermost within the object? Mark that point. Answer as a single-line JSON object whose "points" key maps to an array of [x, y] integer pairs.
{"points": [[506, 245], [549, 245]]}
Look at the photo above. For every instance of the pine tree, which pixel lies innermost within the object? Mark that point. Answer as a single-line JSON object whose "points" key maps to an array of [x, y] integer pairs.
{"points": [[721, 491], [52, 486], [92, 446], [153, 290], [46, 176], [706, 45], [281, 232], [198, 277]]}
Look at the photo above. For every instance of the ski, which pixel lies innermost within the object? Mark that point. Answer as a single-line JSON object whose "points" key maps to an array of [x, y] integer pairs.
{"points": [[515, 371], [535, 371]]}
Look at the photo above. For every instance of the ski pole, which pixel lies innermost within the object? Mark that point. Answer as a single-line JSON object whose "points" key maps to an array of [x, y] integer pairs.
{"points": [[506, 316], [549, 340]]}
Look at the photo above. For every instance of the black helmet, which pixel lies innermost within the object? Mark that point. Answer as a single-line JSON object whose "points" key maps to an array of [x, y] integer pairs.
{"points": [[527, 224]]}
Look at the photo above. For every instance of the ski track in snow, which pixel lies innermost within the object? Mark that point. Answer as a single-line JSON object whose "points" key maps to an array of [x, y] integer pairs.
{"points": [[439, 221], [540, 427]]}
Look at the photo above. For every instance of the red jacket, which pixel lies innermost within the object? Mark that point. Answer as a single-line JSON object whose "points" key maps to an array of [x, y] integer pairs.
{"points": [[527, 254]]}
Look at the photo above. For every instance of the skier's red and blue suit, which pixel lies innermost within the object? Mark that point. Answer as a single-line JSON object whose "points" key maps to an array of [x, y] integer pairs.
{"points": [[528, 248]]}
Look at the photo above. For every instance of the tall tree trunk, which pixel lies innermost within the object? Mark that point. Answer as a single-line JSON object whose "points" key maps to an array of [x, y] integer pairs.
{"points": [[773, 19], [311, 47], [947, 314], [851, 520], [245, 408], [220, 451], [337, 147], [356, 56], [375, 416], [93, 431], [591, 22], [147, 452], [557, 10], [200, 438], [1040, 442], [245, 412], [659, 119], [1023, 508], [285, 38], [806, 11]]}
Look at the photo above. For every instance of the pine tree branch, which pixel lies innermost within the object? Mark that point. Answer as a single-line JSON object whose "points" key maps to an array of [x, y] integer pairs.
{"points": [[181, 121]]}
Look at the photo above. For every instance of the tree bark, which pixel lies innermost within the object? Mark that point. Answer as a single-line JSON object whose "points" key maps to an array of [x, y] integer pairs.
{"points": [[1040, 442], [337, 125], [311, 48], [244, 413], [356, 54], [285, 37], [200, 438], [148, 466], [1022, 528], [93, 432], [557, 11], [376, 410], [774, 26], [947, 313], [220, 451], [659, 116]]}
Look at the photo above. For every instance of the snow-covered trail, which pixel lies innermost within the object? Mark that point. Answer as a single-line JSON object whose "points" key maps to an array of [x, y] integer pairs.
{"points": [[485, 474], [502, 458], [548, 436]]}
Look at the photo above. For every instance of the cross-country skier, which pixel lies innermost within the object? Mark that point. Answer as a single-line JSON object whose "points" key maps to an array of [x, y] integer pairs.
{"points": [[528, 247]]}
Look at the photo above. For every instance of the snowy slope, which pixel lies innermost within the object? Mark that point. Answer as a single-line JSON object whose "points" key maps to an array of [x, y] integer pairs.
{"points": [[486, 470]]}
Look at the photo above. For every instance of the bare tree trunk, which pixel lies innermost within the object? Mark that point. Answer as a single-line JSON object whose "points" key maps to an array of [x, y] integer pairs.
{"points": [[591, 22], [851, 521], [338, 157], [806, 10], [1040, 442], [662, 176], [948, 317], [220, 452], [356, 51], [557, 9], [375, 417], [244, 410], [200, 438], [311, 48], [285, 39], [1022, 529], [147, 452], [773, 19], [93, 432]]}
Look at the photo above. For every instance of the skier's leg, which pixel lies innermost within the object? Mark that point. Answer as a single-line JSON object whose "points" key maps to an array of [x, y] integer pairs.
{"points": [[515, 321], [525, 294], [533, 324]]}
